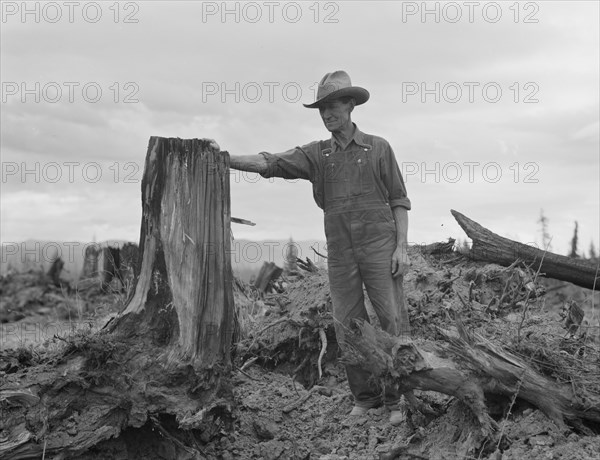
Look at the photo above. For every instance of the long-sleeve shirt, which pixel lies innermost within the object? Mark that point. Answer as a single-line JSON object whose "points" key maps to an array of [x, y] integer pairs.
{"points": [[320, 162]]}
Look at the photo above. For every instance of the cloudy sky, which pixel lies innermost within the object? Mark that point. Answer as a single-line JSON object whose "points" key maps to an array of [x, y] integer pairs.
{"points": [[492, 109]]}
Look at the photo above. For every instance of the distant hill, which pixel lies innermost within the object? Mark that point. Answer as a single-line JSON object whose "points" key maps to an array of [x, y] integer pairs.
{"points": [[246, 256]]}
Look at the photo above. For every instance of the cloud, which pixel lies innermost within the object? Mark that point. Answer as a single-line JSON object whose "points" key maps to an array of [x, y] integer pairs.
{"points": [[198, 76]]}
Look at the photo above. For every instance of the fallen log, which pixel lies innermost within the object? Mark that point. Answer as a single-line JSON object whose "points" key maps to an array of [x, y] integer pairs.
{"points": [[469, 368], [490, 247]]}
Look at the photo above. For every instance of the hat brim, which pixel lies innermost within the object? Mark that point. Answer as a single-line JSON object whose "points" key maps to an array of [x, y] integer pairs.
{"points": [[361, 96]]}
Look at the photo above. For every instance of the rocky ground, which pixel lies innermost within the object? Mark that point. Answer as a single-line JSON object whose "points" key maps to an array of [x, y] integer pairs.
{"points": [[285, 407]]}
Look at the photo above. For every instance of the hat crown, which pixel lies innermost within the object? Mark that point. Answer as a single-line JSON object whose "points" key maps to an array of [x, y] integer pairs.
{"points": [[333, 81]]}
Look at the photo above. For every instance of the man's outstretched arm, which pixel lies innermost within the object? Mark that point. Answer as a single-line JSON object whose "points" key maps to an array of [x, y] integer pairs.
{"points": [[251, 163], [291, 164]]}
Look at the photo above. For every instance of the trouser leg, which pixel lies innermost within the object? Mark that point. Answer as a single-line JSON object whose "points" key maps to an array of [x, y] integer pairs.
{"points": [[346, 286], [348, 303], [385, 292]]}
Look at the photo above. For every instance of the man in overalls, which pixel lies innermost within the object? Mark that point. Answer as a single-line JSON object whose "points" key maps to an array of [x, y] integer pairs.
{"points": [[357, 182]]}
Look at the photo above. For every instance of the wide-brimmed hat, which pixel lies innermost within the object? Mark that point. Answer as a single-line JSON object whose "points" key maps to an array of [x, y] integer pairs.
{"points": [[335, 85]]}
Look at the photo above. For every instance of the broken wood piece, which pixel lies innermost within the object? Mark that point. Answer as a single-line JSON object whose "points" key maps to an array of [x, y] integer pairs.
{"points": [[307, 265], [296, 404], [441, 247], [318, 253], [237, 220], [20, 397], [268, 273], [248, 363], [315, 389]]}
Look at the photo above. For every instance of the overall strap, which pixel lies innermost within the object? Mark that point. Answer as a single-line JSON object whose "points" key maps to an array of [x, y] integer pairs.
{"points": [[325, 148]]}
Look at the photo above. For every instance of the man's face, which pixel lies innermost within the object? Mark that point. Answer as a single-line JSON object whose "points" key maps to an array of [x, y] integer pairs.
{"points": [[336, 114]]}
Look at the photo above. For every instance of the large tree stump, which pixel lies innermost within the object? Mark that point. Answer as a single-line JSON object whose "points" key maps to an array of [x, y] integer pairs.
{"points": [[104, 264], [183, 294], [165, 360], [490, 247]]}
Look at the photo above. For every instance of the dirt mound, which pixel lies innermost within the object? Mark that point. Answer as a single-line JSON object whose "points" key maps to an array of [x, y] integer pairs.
{"points": [[506, 305]]}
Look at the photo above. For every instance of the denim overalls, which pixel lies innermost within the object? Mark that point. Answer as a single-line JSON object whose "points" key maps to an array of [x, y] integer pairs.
{"points": [[361, 238]]}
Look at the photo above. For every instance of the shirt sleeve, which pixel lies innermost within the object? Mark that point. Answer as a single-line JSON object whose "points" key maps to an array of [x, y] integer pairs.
{"points": [[392, 178], [296, 163]]}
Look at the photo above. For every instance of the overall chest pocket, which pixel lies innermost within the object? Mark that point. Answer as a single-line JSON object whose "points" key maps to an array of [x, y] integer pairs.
{"points": [[360, 173], [335, 176]]}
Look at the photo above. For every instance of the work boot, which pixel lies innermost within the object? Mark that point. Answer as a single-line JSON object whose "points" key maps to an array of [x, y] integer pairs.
{"points": [[357, 411], [397, 417]]}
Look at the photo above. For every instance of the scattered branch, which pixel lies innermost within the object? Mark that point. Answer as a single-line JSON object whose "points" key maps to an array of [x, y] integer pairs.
{"points": [[323, 337]]}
